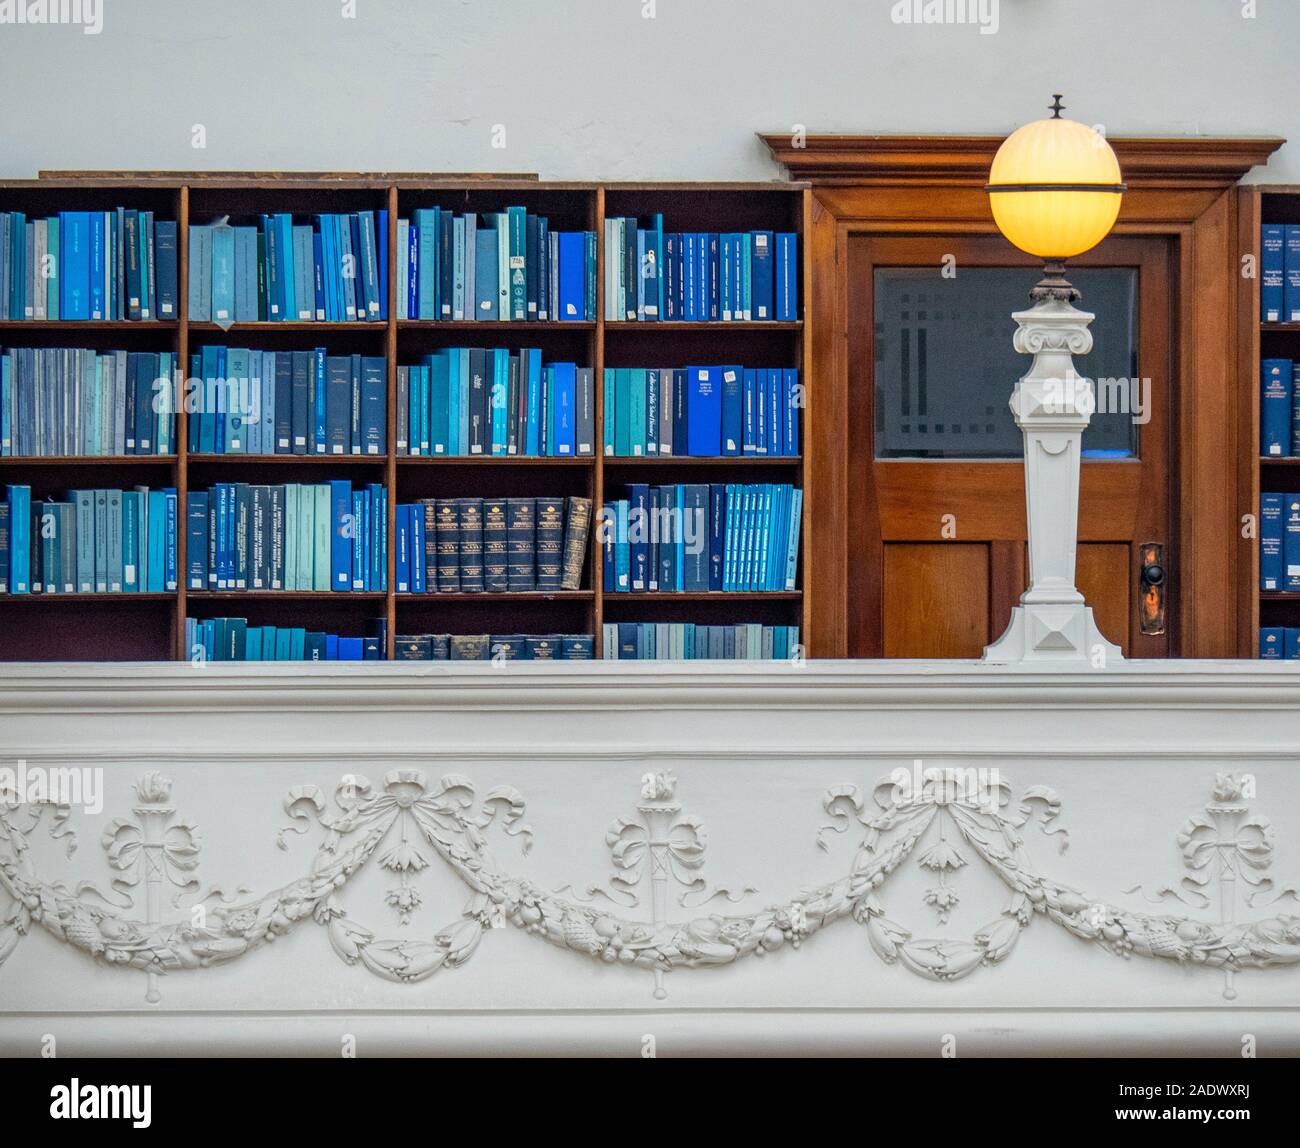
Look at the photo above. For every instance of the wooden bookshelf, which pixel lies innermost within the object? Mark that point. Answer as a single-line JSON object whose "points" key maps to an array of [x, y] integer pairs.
{"points": [[151, 626], [1261, 204]]}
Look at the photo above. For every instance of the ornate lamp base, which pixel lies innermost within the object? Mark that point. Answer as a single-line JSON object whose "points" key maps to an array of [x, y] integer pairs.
{"points": [[1054, 632], [1052, 406]]}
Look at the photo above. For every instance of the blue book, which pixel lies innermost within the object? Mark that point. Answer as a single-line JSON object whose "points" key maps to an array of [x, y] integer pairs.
{"points": [[223, 274], [498, 404], [318, 273], [1291, 542], [19, 499], [733, 402], [694, 546], [703, 397], [533, 409], [196, 540], [426, 224], [288, 282], [381, 226], [369, 264], [761, 278], [563, 441], [690, 269], [749, 412], [341, 528], [415, 541], [435, 382], [351, 649], [1271, 569], [786, 277], [402, 571], [1272, 272], [74, 276], [573, 275], [791, 394], [319, 401], [98, 302], [412, 282], [374, 423], [283, 644], [714, 301], [1272, 643], [1293, 643], [358, 540], [1291, 274], [775, 413], [486, 278]]}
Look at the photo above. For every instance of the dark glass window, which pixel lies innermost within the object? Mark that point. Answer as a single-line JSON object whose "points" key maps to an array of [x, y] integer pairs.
{"points": [[945, 365]]}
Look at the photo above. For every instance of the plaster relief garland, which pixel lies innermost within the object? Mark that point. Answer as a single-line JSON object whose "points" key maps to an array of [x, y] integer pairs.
{"points": [[407, 822]]}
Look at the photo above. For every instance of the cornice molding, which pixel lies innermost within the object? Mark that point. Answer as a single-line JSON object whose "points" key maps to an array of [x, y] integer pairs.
{"points": [[42, 689], [929, 159]]}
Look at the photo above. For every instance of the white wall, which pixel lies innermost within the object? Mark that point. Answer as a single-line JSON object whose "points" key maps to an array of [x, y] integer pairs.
{"points": [[591, 89]]}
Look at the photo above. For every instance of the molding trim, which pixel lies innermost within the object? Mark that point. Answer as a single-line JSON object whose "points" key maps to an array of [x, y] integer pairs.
{"points": [[46, 689], [956, 160]]}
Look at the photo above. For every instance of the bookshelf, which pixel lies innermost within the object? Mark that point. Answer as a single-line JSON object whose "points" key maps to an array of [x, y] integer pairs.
{"points": [[134, 626], [1261, 204]]}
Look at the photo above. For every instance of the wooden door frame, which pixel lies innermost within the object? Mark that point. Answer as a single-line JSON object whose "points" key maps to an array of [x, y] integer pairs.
{"points": [[1182, 190], [1117, 498]]}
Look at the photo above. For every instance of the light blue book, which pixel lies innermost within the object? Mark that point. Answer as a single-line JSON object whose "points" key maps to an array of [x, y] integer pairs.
{"points": [[499, 394]]}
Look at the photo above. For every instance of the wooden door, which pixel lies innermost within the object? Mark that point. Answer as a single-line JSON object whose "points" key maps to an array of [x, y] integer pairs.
{"points": [[937, 535]]}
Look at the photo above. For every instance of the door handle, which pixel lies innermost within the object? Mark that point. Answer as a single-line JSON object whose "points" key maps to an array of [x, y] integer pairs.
{"points": [[1154, 580]]}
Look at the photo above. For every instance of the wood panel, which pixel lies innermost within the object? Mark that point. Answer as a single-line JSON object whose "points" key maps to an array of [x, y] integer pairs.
{"points": [[936, 599], [1103, 574]]}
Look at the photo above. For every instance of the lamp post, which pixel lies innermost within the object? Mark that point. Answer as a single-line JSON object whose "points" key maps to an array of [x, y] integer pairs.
{"points": [[1055, 191]]}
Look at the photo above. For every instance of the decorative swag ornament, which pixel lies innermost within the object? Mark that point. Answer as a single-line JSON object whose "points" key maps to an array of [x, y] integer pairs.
{"points": [[405, 820]]}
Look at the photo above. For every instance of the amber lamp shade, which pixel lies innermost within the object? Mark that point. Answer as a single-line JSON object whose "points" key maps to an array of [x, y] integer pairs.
{"points": [[1055, 188]]}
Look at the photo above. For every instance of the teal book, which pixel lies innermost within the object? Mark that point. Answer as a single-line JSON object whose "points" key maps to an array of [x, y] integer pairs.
{"points": [[518, 223], [499, 393], [637, 412], [622, 412], [609, 412], [438, 372]]}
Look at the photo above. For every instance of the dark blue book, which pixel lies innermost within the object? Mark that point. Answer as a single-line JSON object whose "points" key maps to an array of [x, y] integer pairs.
{"points": [[1293, 643], [319, 401], [790, 438], [1291, 542], [521, 544], [761, 276], [1272, 272], [715, 277], [318, 274], [98, 302], [733, 409], [374, 383], [381, 239], [338, 400], [402, 553], [717, 533], [786, 277], [1291, 275], [1272, 643], [703, 411], [775, 412], [284, 399]]}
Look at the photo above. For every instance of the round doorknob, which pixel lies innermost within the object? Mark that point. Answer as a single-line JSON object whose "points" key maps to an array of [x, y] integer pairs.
{"points": [[1154, 574]]}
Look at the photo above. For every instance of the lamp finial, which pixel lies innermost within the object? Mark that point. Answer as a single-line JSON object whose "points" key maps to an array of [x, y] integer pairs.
{"points": [[1057, 107]]}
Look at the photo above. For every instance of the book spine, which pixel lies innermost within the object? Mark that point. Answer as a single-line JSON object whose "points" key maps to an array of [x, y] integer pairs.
{"points": [[549, 542], [577, 529], [470, 529], [521, 543], [1272, 272], [495, 546]]}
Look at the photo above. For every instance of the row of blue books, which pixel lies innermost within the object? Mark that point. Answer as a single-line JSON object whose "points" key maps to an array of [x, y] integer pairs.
{"points": [[740, 537], [1279, 541], [87, 265], [492, 545], [234, 640], [333, 269], [701, 411], [697, 276], [1279, 271], [247, 401], [494, 647], [1279, 408], [58, 401], [88, 542], [508, 266], [1279, 642], [688, 641], [321, 536], [463, 401]]}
